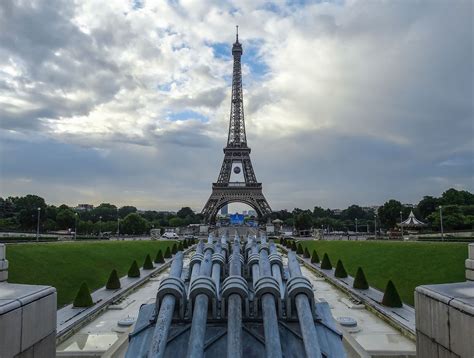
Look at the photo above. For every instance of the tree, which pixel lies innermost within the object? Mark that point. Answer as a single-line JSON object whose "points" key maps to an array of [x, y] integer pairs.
{"points": [[65, 218], [303, 221], [457, 197], [306, 253], [185, 212], [125, 210], [389, 213], [167, 253], [134, 224], [107, 211], [353, 212], [427, 205], [27, 209], [176, 221]]}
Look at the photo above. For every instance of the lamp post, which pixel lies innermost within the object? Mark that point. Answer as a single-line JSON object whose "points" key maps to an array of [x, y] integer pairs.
{"points": [[375, 227], [38, 225], [100, 226], [322, 232], [401, 222], [118, 223], [357, 230], [441, 222], [75, 226]]}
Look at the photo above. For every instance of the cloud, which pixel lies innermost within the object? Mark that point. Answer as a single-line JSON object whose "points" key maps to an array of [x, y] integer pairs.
{"points": [[355, 101]]}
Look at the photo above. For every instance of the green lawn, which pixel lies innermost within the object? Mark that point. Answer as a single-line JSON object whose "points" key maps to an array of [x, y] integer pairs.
{"points": [[407, 264], [66, 265]]}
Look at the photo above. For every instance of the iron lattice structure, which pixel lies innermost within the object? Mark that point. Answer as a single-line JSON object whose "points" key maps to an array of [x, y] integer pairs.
{"points": [[236, 152]]}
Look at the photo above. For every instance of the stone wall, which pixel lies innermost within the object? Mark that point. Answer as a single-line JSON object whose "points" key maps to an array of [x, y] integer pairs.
{"points": [[27, 317], [470, 264]]}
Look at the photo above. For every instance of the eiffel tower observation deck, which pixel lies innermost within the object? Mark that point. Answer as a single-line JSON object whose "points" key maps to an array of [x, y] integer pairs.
{"points": [[237, 161]]}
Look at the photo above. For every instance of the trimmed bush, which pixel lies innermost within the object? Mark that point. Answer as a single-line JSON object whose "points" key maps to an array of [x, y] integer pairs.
{"points": [[289, 243], [180, 246], [282, 241], [159, 259], [391, 298], [185, 243], [83, 297], [293, 246], [167, 253], [326, 263], [340, 271], [174, 249], [299, 250], [113, 282], [148, 265], [360, 282], [315, 257], [306, 253], [134, 271]]}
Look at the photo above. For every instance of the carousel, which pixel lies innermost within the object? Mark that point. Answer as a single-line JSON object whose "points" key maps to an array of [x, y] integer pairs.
{"points": [[411, 225]]}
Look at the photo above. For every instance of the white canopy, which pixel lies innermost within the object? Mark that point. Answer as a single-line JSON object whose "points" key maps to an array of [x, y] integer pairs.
{"points": [[412, 221]]}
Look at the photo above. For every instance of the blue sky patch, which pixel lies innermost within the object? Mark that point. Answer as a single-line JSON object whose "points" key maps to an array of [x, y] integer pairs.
{"points": [[185, 115]]}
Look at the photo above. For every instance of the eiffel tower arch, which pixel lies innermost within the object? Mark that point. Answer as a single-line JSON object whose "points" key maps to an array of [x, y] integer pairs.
{"points": [[236, 157]]}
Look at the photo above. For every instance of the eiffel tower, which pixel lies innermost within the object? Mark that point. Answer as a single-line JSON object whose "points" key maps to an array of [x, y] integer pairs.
{"points": [[236, 157]]}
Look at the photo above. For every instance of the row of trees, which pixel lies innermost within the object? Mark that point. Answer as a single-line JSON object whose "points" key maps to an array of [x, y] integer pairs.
{"points": [[21, 214], [458, 213]]}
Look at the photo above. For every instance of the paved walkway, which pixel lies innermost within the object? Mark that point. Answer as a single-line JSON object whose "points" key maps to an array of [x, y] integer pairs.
{"points": [[70, 319], [403, 317]]}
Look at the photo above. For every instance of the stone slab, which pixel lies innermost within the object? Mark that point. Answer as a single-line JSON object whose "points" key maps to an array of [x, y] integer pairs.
{"points": [[3, 276], [461, 332], [471, 251], [470, 275], [10, 332], [425, 347], [469, 264], [3, 265], [2, 251], [437, 326]]}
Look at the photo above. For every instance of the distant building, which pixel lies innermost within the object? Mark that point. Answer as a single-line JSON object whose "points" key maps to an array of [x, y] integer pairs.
{"points": [[225, 210], [84, 207], [336, 211]]}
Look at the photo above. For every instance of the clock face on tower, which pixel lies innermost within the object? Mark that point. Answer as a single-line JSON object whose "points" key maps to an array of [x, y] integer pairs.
{"points": [[236, 170]]}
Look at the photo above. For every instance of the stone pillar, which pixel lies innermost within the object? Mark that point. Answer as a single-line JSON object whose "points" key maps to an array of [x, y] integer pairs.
{"points": [[27, 317], [445, 317], [470, 264]]}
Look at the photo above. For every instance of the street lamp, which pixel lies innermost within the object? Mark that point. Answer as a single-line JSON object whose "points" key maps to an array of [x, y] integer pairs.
{"points": [[375, 227], [357, 230], [75, 226], [100, 226], [38, 225], [118, 223], [441, 222], [401, 222]]}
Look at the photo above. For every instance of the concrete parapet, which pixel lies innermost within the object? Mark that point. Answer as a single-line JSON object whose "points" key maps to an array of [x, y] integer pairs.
{"points": [[445, 320], [27, 318], [3, 264]]}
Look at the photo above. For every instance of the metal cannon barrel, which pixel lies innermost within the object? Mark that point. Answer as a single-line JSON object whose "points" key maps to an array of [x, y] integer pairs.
{"points": [[234, 323], [165, 315], [305, 314], [201, 304]]}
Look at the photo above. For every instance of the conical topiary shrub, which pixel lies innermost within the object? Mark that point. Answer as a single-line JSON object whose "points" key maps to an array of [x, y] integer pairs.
{"points": [[360, 282], [113, 282], [340, 271], [282, 241], [148, 265], [134, 271], [174, 249], [167, 253], [159, 259], [299, 250], [306, 253], [293, 246], [180, 246], [83, 297], [326, 263], [391, 298], [185, 244], [315, 257]]}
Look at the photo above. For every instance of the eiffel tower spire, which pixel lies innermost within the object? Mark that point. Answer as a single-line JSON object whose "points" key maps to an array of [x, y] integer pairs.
{"points": [[237, 136], [236, 156]]}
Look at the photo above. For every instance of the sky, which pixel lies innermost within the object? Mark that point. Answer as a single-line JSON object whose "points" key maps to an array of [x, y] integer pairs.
{"points": [[128, 101]]}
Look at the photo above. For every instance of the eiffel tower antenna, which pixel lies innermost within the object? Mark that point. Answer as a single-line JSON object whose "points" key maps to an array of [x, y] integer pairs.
{"points": [[236, 155]]}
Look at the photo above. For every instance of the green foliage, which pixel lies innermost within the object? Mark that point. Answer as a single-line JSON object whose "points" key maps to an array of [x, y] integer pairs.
{"points": [[389, 213], [293, 245], [304, 220], [65, 219], [340, 271], [315, 257], [391, 298], [177, 221], [306, 253], [134, 271], [148, 264], [185, 244], [134, 224], [125, 210], [180, 246], [167, 253], [174, 249], [360, 282], [159, 259], [184, 212], [83, 297], [299, 249], [113, 282], [326, 263]]}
